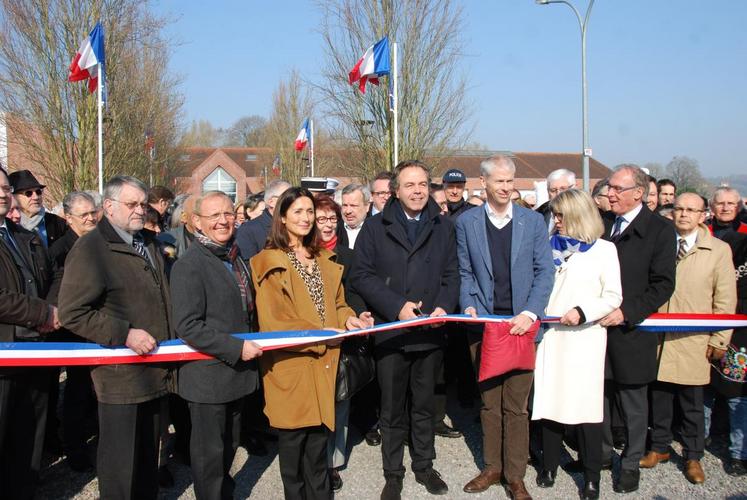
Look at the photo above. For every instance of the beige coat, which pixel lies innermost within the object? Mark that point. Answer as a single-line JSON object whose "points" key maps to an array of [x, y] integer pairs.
{"points": [[299, 382], [706, 283]]}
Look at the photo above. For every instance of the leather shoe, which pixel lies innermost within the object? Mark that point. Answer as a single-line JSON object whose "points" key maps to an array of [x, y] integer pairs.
{"points": [[628, 482], [373, 437], [694, 472], [392, 489], [546, 478], [735, 467], [652, 458], [517, 491], [444, 430], [431, 479], [488, 477], [590, 491], [335, 480]]}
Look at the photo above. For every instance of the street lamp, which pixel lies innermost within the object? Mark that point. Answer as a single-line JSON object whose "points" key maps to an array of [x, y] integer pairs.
{"points": [[582, 24]]}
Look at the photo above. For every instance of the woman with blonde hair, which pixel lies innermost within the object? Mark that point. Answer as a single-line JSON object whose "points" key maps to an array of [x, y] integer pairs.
{"points": [[569, 373]]}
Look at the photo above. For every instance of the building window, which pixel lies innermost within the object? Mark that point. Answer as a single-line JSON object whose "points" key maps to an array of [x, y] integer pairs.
{"points": [[185, 157], [219, 180], [251, 157]]}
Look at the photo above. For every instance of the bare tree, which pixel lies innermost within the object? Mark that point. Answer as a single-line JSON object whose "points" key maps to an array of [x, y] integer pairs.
{"points": [[685, 172], [655, 169], [434, 117], [248, 131], [56, 120], [202, 133]]}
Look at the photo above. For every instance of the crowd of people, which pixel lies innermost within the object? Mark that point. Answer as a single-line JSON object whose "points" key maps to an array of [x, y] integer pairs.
{"points": [[136, 266]]}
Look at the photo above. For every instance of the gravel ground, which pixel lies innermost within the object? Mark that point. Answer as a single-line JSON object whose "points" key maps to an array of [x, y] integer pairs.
{"points": [[457, 461]]}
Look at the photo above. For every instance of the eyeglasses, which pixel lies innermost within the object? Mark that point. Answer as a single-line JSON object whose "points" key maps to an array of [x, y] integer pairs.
{"points": [[724, 204], [132, 205], [559, 189], [87, 215], [7, 189], [620, 189], [687, 210], [381, 193], [30, 192], [216, 217], [324, 220]]}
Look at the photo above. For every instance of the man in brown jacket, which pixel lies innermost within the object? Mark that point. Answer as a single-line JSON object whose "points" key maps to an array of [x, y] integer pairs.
{"points": [[114, 292], [706, 284]]}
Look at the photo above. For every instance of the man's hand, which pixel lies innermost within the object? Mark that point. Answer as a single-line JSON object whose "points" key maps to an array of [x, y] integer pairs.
{"points": [[521, 323], [613, 319], [714, 353], [365, 320], [438, 312], [471, 311], [571, 318], [407, 311], [250, 350], [53, 321], [140, 341]]}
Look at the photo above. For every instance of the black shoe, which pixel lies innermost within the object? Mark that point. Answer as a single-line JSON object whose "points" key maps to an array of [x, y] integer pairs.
{"points": [[79, 462], [590, 491], [432, 481], [373, 437], [628, 481], [392, 489], [254, 445], [444, 430], [335, 480], [619, 438], [735, 467], [546, 478], [165, 479]]}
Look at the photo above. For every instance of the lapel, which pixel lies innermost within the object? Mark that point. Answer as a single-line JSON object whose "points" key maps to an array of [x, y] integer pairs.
{"points": [[117, 244], [23, 240], [480, 234], [517, 232]]}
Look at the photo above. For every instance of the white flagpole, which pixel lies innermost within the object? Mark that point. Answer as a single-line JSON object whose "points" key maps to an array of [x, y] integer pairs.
{"points": [[101, 130], [396, 104], [311, 145]]}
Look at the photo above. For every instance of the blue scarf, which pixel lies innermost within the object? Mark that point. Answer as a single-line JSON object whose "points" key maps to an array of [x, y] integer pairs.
{"points": [[563, 247]]}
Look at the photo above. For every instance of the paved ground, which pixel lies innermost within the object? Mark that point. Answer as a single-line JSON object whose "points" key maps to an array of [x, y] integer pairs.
{"points": [[258, 477]]}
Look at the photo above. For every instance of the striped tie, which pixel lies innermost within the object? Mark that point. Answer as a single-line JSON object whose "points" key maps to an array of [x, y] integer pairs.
{"points": [[139, 245], [682, 249], [616, 228]]}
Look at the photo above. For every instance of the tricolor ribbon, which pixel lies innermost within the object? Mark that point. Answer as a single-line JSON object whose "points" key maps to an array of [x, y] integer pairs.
{"points": [[79, 353]]}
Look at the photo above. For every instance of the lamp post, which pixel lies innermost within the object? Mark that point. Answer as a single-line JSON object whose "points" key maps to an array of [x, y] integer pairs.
{"points": [[582, 24]]}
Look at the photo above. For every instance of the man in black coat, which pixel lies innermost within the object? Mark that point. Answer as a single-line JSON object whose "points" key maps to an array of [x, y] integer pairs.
{"points": [[29, 194], [252, 234], [25, 316], [406, 263], [114, 292], [646, 247], [212, 299]]}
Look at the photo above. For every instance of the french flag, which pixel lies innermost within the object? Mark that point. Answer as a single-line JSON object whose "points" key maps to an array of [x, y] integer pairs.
{"points": [[303, 136], [89, 56], [373, 64]]}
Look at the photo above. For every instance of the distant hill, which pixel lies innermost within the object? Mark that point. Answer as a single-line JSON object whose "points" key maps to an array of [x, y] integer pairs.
{"points": [[738, 181]]}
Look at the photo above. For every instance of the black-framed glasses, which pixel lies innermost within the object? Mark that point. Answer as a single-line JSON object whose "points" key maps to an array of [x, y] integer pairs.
{"points": [[30, 192], [229, 216], [619, 189], [324, 220], [132, 205]]}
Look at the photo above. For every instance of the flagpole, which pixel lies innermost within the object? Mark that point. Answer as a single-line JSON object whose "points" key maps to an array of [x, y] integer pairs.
{"points": [[311, 145], [396, 106], [101, 129]]}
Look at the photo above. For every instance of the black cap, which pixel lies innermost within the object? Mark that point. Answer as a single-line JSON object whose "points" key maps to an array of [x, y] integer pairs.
{"points": [[454, 175]]}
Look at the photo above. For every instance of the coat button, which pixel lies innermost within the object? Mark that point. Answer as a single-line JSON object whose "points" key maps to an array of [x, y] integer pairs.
{"points": [[326, 366]]}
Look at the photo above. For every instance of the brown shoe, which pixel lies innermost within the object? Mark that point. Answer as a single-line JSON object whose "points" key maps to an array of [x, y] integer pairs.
{"points": [[488, 477], [694, 472], [652, 458], [517, 491]]}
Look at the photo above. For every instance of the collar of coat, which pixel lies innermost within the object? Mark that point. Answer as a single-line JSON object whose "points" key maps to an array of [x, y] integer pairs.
{"points": [[389, 214], [110, 235], [640, 225], [705, 239], [271, 259]]}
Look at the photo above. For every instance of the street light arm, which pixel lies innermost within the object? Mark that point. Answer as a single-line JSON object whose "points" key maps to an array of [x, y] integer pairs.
{"points": [[581, 23]]}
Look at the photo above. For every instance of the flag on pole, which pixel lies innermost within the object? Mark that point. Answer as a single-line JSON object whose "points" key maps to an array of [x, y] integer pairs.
{"points": [[374, 64], [89, 56], [276, 166], [303, 136]]}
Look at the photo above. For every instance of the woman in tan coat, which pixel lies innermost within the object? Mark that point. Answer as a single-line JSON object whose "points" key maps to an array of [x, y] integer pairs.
{"points": [[299, 287]]}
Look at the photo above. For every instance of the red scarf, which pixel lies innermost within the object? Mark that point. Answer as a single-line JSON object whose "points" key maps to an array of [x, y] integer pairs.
{"points": [[331, 244]]}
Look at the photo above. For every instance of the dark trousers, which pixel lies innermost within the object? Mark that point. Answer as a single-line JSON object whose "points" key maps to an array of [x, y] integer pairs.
{"points": [[690, 400], [303, 463], [456, 367], [78, 405], [215, 436], [633, 404], [127, 461], [504, 418], [23, 417], [401, 374], [589, 446]]}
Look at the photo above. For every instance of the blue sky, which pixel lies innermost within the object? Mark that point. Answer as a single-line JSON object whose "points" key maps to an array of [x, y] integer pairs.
{"points": [[665, 77]]}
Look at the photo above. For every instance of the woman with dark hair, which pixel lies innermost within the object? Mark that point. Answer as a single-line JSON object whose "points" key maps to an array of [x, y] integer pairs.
{"points": [[299, 287], [254, 205]]}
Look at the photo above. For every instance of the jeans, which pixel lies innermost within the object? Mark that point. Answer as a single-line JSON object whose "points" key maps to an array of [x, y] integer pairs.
{"points": [[737, 423]]}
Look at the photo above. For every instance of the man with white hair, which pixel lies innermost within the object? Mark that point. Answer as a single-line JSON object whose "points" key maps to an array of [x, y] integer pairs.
{"points": [[251, 236], [355, 201], [558, 181], [725, 206]]}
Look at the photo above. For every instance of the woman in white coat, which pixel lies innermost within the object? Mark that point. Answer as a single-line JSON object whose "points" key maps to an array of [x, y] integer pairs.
{"points": [[569, 374]]}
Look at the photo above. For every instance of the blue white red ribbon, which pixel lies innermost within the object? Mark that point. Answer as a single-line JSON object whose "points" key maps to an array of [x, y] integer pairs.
{"points": [[78, 353]]}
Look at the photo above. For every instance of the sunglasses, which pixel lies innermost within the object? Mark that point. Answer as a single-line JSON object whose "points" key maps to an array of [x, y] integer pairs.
{"points": [[30, 192]]}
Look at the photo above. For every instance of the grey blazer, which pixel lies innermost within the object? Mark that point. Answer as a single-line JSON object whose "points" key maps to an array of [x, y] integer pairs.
{"points": [[206, 310]]}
